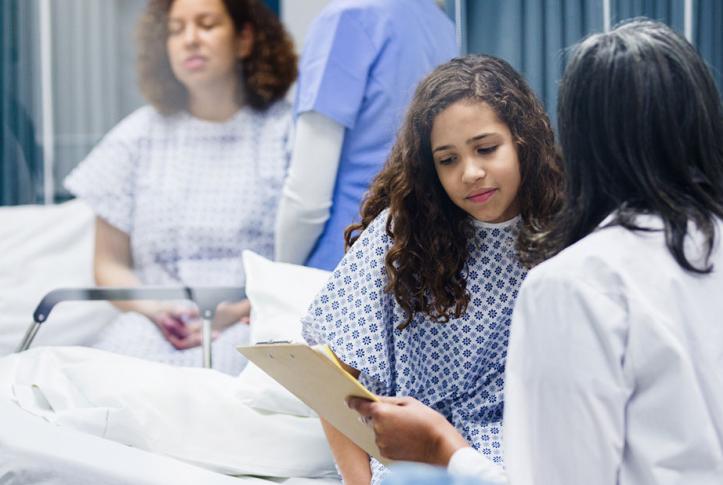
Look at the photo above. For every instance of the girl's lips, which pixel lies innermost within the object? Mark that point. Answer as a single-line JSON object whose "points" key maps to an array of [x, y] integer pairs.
{"points": [[482, 197]]}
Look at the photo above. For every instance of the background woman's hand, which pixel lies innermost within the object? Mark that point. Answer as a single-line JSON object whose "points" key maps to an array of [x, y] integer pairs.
{"points": [[408, 430], [180, 325]]}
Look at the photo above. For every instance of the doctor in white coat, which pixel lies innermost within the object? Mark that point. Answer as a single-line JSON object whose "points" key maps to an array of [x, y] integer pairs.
{"points": [[615, 364]]}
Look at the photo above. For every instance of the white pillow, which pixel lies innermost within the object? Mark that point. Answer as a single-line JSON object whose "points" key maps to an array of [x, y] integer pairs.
{"points": [[280, 295], [44, 248]]}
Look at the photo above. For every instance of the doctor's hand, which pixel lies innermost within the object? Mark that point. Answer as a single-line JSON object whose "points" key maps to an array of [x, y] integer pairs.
{"points": [[408, 430], [179, 325]]}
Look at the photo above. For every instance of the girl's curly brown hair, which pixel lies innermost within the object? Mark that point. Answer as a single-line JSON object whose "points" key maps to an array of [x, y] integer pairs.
{"points": [[266, 74], [426, 262]]}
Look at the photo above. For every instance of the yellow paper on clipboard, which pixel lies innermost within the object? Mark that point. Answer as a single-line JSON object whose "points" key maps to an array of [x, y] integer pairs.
{"points": [[314, 375]]}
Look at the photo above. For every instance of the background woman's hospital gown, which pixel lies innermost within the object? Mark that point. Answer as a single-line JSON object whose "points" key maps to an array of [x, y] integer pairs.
{"points": [[457, 367], [192, 195]]}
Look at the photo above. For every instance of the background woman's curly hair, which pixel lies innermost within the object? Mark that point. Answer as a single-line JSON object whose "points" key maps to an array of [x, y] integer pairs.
{"points": [[266, 74], [426, 263]]}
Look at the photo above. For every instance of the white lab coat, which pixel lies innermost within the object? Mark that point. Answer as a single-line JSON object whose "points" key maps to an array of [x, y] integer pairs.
{"points": [[615, 367]]}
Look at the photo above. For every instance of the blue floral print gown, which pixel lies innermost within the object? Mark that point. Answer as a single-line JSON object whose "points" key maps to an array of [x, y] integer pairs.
{"points": [[457, 368]]}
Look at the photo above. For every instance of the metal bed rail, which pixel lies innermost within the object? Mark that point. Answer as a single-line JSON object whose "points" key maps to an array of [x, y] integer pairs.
{"points": [[206, 298]]}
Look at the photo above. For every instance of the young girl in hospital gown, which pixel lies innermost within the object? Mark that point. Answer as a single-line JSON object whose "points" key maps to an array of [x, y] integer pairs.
{"points": [[181, 187], [421, 303]]}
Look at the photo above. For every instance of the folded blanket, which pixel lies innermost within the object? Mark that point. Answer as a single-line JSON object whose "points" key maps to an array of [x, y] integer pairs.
{"points": [[193, 414]]}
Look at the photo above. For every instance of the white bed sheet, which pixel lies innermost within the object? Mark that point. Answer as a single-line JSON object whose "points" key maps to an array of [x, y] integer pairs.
{"points": [[35, 451], [194, 415]]}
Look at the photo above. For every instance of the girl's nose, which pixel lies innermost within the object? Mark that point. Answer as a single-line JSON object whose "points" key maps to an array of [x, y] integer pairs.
{"points": [[473, 171]]}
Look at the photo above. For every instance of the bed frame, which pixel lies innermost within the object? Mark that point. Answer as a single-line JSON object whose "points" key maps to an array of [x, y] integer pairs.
{"points": [[206, 298]]}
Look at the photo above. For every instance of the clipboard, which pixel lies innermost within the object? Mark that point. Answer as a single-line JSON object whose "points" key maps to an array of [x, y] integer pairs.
{"points": [[315, 376]]}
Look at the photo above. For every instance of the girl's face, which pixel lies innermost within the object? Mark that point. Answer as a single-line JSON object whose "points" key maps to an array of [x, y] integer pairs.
{"points": [[476, 161], [203, 45]]}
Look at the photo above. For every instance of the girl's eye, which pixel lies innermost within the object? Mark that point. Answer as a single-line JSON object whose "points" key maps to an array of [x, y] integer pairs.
{"points": [[446, 161], [486, 150]]}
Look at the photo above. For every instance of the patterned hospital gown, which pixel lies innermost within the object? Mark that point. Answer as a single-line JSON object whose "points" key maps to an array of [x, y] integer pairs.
{"points": [[457, 367], [192, 195]]}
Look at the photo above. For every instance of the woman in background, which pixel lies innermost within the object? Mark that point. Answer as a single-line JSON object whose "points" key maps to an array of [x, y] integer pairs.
{"points": [[181, 187]]}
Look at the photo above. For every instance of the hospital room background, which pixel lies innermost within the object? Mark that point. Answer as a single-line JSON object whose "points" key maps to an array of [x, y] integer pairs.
{"points": [[67, 74], [67, 66]]}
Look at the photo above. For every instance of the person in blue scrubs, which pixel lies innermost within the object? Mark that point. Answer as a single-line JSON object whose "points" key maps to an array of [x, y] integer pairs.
{"points": [[360, 65]]}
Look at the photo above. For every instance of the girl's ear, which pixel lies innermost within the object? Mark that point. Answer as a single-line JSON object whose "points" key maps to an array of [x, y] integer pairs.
{"points": [[245, 41]]}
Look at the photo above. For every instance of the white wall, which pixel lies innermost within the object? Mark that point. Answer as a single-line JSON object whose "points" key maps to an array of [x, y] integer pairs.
{"points": [[297, 16]]}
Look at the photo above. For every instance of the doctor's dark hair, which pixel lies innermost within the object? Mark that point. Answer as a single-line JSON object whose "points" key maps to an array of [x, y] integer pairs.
{"points": [[641, 128], [265, 75], [426, 264]]}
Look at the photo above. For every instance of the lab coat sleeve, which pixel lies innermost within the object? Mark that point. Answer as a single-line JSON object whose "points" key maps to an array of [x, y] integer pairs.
{"points": [[309, 186], [566, 386], [470, 462]]}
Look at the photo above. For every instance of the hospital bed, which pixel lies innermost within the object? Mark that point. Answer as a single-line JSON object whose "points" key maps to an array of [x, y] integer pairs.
{"points": [[49, 247]]}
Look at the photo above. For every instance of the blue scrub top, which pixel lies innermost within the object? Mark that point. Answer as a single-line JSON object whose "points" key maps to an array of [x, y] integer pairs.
{"points": [[361, 63]]}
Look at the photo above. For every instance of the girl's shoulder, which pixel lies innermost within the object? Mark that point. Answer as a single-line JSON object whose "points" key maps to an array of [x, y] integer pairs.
{"points": [[375, 235], [369, 251]]}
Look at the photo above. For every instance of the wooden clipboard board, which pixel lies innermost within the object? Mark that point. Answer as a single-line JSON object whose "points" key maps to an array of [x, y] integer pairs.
{"points": [[321, 383]]}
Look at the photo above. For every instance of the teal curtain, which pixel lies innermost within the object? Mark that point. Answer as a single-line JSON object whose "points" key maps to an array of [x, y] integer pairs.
{"points": [[532, 36], [21, 160], [670, 12], [273, 5], [708, 35]]}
